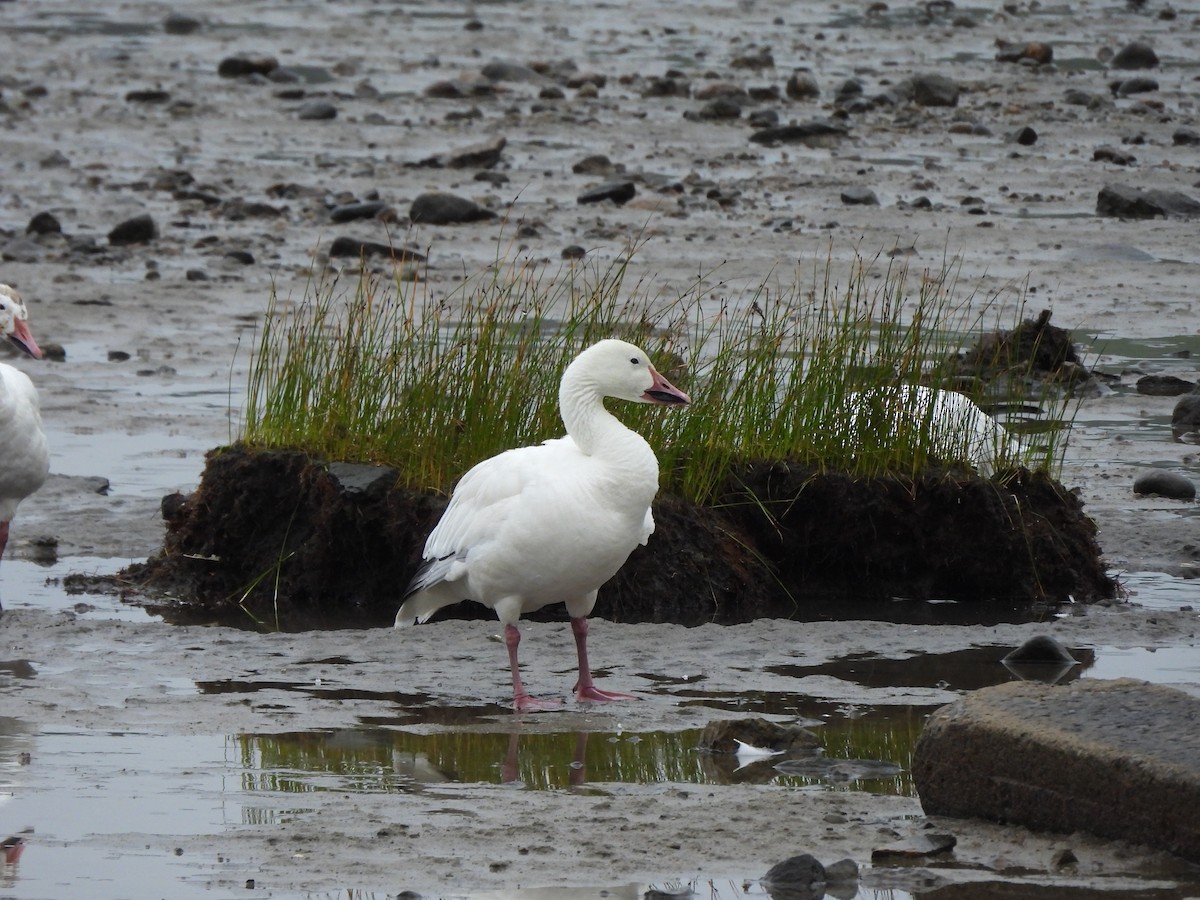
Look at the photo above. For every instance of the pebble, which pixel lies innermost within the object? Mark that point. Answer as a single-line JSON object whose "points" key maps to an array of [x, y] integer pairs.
{"points": [[619, 192], [1161, 483], [934, 90], [817, 133], [1163, 385], [1113, 155], [180, 23], [138, 230], [1186, 137], [1025, 136], [349, 212], [1186, 415], [859, 196], [1135, 55], [241, 66], [44, 223], [802, 85], [439, 208], [317, 110]]}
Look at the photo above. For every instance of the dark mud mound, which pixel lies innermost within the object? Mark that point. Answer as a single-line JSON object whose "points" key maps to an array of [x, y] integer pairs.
{"points": [[277, 539], [1034, 349], [942, 536]]}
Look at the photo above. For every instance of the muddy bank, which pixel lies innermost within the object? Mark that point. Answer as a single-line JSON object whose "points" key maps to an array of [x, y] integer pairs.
{"points": [[277, 537]]}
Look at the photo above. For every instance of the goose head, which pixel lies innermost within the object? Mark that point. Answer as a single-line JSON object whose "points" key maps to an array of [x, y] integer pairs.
{"points": [[619, 369], [13, 316]]}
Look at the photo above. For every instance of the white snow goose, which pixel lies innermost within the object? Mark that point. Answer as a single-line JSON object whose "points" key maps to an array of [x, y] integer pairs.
{"points": [[24, 459], [553, 522]]}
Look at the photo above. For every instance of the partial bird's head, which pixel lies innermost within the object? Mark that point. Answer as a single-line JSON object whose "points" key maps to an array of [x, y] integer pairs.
{"points": [[13, 324], [622, 370]]}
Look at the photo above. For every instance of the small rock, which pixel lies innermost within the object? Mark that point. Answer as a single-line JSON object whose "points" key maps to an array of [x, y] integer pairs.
{"points": [[844, 871], [596, 164], [316, 111], [44, 223], [437, 208], [353, 247], [1041, 649], [1025, 136], [350, 212], [1163, 385], [1035, 51], [1185, 137], [138, 230], [1129, 86], [619, 192], [918, 847], [802, 85], [1161, 483], [934, 90], [795, 875], [859, 196], [817, 133], [1135, 55], [1113, 155], [239, 66], [180, 23], [573, 251], [1186, 416]]}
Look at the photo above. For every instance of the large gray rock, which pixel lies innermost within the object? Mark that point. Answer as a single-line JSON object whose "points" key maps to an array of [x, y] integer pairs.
{"points": [[1120, 759]]}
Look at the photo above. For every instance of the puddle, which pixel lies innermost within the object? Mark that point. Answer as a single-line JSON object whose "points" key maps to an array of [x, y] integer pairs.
{"points": [[30, 585]]}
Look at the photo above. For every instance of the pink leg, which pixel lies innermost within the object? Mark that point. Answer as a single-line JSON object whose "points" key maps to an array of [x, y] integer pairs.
{"points": [[522, 702], [585, 688], [3, 543]]}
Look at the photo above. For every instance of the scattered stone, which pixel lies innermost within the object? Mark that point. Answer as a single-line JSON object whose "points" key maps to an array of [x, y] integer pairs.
{"points": [[1185, 417], [484, 155], [439, 208], [1111, 757], [763, 118], [1041, 649], [1128, 86], [1025, 136], [718, 108], [316, 111], [844, 871], [573, 251], [757, 58], [848, 91], [1161, 483], [499, 70], [796, 878], [1126, 202], [919, 846], [240, 66], [180, 23], [1186, 137], [1163, 385], [619, 192], [932, 90], [1113, 155], [353, 247], [1135, 55], [1080, 97], [859, 196], [802, 85], [1035, 51], [44, 223], [149, 95], [350, 212], [54, 160], [241, 257], [817, 133], [138, 230], [596, 164]]}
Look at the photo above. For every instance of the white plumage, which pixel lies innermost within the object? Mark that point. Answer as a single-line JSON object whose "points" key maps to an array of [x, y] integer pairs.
{"points": [[553, 522], [24, 458], [958, 428]]}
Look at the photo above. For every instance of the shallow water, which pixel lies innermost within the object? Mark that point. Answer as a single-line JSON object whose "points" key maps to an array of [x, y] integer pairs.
{"points": [[163, 784]]}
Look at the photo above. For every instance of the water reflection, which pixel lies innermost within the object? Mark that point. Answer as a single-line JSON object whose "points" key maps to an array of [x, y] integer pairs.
{"points": [[870, 752]]}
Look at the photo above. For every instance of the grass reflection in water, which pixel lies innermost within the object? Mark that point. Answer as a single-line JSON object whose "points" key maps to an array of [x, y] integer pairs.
{"points": [[377, 760]]}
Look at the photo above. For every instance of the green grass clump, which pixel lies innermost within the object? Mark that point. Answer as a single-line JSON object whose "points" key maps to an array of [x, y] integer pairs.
{"points": [[385, 372]]}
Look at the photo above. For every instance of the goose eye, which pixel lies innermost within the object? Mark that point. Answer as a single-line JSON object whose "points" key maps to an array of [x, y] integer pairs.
{"points": [[634, 360]]}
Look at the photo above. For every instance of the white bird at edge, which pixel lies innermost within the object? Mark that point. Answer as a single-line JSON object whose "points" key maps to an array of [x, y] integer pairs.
{"points": [[24, 458], [957, 425], [551, 523]]}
